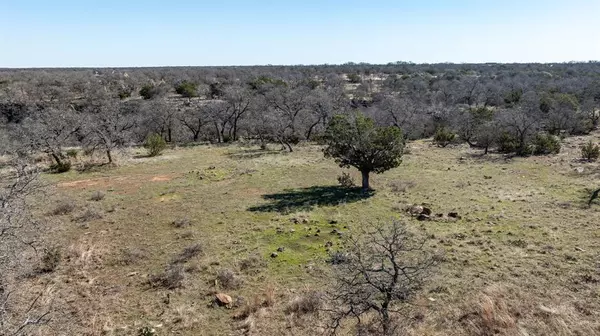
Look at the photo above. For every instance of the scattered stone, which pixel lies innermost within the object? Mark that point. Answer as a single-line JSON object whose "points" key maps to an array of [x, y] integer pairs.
{"points": [[334, 231], [415, 210], [292, 230], [487, 177], [274, 255], [316, 234], [304, 220], [333, 222], [328, 244], [223, 299], [281, 249], [454, 215], [318, 230], [579, 249], [426, 211], [423, 217], [580, 170], [280, 230]]}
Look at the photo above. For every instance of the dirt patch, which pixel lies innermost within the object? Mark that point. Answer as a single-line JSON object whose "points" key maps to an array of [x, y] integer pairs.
{"points": [[80, 183], [161, 178]]}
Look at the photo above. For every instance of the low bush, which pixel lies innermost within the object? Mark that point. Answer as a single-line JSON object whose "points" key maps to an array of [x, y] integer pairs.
{"points": [[50, 260], [309, 303], [187, 89], [507, 143], [171, 278], [443, 137], [62, 167], [181, 223], [590, 151], [227, 279], [64, 207], [72, 153], [88, 215], [97, 196], [187, 254], [544, 144], [155, 145], [346, 180]]}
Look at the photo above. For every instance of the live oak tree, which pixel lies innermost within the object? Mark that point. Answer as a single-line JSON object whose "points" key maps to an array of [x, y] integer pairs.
{"points": [[356, 141]]}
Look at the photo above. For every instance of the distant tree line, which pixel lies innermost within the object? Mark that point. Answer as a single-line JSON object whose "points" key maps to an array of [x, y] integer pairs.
{"points": [[511, 108]]}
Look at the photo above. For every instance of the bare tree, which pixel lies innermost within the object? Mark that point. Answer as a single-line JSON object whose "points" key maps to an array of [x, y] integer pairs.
{"points": [[384, 268], [109, 128], [17, 233]]}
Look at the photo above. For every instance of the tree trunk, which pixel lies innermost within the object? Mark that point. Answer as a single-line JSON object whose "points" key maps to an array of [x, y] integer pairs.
{"points": [[289, 146], [109, 156], [56, 158], [365, 180], [486, 150]]}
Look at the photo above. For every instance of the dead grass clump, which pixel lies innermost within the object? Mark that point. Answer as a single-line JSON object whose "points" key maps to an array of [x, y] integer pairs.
{"points": [[258, 302], [227, 279], [253, 264], [401, 186], [88, 215], [187, 254], [309, 303], [97, 196], [50, 260], [131, 256], [170, 278], [181, 223], [64, 207]]}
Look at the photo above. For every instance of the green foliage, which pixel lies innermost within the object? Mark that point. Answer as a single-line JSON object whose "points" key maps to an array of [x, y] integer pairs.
{"points": [[590, 151], [513, 97], [148, 91], [544, 144], [125, 93], [62, 167], [259, 82], [354, 78], [155, 145], [72, 153], [443, 137], [482, 113], [187, 89], [507, 143], [356, 141], [216, 90]]}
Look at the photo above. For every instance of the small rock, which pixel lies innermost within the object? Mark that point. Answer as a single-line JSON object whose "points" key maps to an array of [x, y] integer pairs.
{"points": [[280, 230], [328, 244], [415, 210], [333, 222], [274, 255], [426, 211], [334, 231], [223, 299], [580, 170], [453, 215], [318, 230], [281, 249], [292, 230], [316, 234], [423, 217], [487, 177]]}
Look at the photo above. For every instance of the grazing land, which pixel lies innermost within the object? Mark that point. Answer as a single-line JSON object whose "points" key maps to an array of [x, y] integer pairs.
{"points": [[147, 245]]}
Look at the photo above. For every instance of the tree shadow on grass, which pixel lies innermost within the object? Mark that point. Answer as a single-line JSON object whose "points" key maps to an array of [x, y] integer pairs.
{"points": [[253, 153], [293, 200]]}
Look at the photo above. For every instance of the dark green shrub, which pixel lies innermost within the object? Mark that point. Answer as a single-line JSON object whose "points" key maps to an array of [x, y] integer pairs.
{"points": [[590, 152], [354, 78], [155, 145], [507, 143], [443, 137], [187, 89], [72, 153], [544, 144], [62, 167], [149, 91]]}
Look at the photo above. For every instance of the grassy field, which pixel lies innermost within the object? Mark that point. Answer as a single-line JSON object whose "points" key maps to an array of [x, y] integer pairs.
{"points": [[523, 259]]}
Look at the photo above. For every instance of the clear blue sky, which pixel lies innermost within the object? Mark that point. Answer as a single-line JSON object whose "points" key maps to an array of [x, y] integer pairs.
{"points": [[46, 33]]}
